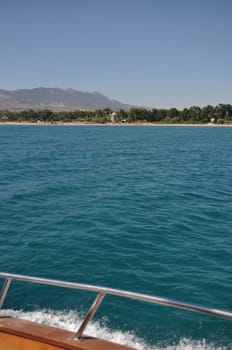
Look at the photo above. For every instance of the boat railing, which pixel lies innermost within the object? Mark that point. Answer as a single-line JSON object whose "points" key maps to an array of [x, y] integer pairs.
{"points": [[102, 291]]}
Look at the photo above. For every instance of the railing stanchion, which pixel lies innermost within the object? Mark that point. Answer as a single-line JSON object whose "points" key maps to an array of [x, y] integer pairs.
{"points": [[90, 314], [4, 290]]}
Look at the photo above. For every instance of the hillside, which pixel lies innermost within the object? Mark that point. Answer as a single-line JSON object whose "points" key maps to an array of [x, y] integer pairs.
{"points": [[56, 100]]}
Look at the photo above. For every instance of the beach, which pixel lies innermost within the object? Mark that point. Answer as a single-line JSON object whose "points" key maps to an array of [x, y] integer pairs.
{"points": [[114, 124]]}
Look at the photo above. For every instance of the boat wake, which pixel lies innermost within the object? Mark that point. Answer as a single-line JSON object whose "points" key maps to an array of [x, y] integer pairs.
{"points": [[70, 320]]}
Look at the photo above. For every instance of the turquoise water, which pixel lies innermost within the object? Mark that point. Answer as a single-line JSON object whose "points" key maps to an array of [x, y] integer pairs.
{"points": [[147, 209]]}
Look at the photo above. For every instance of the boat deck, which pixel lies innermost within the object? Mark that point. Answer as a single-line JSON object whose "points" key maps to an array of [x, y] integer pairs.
{"points": [[17, 334]]}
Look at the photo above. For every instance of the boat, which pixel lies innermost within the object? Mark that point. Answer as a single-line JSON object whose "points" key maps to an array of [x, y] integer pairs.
{"points": [[19, 334]]}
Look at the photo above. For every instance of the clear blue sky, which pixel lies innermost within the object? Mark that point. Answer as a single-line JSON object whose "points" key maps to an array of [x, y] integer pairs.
{"points": [[158, 53]]}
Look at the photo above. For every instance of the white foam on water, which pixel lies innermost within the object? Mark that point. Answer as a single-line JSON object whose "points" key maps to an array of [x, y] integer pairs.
{"points": [[70, 320]]}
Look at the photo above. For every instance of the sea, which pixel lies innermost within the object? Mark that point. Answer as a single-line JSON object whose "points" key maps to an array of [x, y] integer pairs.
{"points": [[146, 209]]}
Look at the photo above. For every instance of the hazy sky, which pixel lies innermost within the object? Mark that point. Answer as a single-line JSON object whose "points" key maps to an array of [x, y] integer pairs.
{"points": [[158, 53]]}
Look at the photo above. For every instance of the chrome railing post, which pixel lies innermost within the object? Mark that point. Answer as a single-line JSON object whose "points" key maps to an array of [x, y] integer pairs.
{"points": [[90, 315], [4, 290]]}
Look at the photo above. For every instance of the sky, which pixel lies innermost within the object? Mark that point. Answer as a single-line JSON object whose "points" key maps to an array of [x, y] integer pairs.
{"points": [[154, 53]]}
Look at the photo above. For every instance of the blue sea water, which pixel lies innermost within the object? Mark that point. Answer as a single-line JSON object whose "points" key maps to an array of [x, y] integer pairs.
{"points": [[146, 209]]}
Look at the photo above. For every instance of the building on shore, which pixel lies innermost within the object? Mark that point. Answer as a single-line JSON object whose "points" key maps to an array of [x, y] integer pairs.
{"points": [[113, 117]]}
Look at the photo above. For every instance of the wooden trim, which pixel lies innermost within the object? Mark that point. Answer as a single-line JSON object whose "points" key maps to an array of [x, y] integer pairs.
{"points": [[17, 334]]}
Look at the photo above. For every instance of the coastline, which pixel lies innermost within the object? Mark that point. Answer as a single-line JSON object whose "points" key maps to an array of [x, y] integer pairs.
{"points": [[110, 124]]}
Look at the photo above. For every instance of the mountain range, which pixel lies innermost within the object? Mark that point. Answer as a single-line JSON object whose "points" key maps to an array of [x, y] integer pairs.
{"points": [[57, 100]]}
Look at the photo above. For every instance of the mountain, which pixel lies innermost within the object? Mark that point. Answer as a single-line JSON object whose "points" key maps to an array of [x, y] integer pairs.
{"points": [[56, 100]]}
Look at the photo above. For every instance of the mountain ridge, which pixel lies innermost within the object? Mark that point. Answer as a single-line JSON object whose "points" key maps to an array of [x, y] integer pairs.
{"points": [[57, 99]]}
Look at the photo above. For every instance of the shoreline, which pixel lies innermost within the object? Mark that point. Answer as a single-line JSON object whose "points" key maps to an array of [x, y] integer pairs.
{"points": [[110, 124]]}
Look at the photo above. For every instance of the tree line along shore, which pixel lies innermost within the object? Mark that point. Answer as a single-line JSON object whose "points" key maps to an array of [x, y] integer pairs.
{"points": [[220, 114]]}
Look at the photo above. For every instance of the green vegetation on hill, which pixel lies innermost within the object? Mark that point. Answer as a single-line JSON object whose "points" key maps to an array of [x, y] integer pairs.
{"points": [[220, 114]]}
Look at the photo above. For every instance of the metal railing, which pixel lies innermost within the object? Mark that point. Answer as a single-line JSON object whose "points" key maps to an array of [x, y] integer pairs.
{"points": [[102, 291]]}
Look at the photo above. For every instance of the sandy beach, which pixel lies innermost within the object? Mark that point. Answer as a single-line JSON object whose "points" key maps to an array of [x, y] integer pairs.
{"points": [[111, 124]]}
